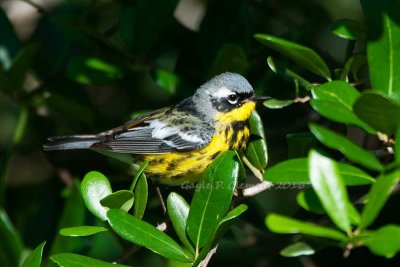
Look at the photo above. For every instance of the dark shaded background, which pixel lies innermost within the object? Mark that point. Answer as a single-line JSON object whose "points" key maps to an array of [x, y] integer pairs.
{"points": [[145, 58]]}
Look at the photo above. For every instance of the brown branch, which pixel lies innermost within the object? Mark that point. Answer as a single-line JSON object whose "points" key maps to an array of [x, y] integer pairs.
{"points": [[207, 259]]}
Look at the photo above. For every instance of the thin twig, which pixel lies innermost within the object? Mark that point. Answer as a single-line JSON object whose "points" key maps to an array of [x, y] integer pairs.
{"points": [[256, 189], [207, 259]]}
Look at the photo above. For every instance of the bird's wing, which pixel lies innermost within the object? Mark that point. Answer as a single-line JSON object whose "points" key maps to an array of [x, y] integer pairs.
{"points": [[159, 132]]}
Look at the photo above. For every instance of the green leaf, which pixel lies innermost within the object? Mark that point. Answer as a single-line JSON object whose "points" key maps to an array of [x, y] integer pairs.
{"points": [[122, 199], [334, 100], [377, 197], [384, 241], [11, 244], [378, 111], [308, 200], [75, 260], [303, 56], [94, 187], [178, 211], [300, 143], [82, 230], [222, 228], [297, 249], [93, 70], [256, 151], [144, 234], [296, 171], [141, 194], [138, 174], [230, 58], [352, 151], [34, 259], [228, 220], [397, 146], [383, 42], [211, 202], [274, 103], [285, 72], [349, 29], [330, 189], [285, 225]]}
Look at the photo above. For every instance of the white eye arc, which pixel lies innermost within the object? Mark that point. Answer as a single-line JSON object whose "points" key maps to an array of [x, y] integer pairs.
{"points": [[233, 98]]}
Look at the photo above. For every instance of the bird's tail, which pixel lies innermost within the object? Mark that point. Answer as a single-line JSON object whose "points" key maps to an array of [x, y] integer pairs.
{"points": [[71, 142]]}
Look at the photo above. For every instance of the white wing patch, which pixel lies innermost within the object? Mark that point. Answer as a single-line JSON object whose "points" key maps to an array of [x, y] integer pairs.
{"points": [[162, 131]]}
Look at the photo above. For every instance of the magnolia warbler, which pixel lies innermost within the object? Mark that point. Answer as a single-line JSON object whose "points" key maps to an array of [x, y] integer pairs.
{"points": [[180, 141]]}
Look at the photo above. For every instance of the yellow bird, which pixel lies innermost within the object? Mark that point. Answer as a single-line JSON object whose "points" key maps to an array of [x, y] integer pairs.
{"points": [[180, 141]]}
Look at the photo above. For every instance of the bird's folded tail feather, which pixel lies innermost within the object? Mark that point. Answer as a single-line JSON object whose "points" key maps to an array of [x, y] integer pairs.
{"points": [[71, 142]]}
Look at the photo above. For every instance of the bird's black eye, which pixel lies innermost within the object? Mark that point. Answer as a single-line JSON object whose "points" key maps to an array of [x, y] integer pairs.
{"points": [[233, 98]]}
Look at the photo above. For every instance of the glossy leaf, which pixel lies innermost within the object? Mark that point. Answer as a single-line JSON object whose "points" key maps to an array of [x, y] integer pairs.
{"points": [[211, 202], [222, 228], [300, 143], [138, 173], [11, 246], [141, 193], [228, 220], [256, 151], [34, 259], [178, 211], [285, 225], [82, 230], [93, 70], [274, 103], [75, 260], [378, 196], [384, 241], [144, 234], [230, 58], [303, 56], [296, 171], [94, 187], [349, 29], [309, 201], [297, 249], [383, 42], [330, 189], [378, 111], [334, 100], [122, 199], [351, 150], [284, 71]]}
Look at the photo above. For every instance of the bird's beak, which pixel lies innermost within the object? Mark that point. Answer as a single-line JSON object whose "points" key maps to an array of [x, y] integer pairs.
{"points": [[259, 98]]}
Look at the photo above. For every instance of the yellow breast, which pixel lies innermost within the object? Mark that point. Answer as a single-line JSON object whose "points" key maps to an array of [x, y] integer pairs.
{"points": [[231, 132]]}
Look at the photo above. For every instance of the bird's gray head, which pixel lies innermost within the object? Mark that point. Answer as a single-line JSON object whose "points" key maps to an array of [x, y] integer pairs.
{"points": [[223, 93]]}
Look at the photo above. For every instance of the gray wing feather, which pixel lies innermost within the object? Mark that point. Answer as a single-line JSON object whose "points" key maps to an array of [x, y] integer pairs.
{"points": [[162, 135]]}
